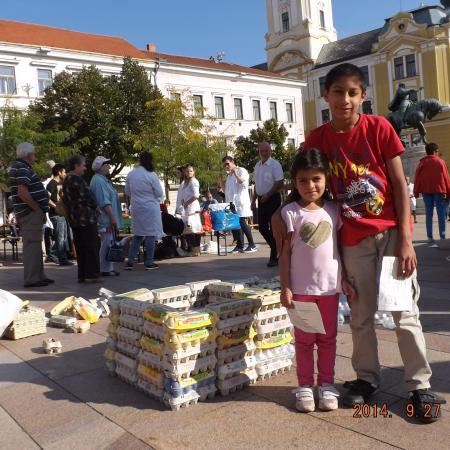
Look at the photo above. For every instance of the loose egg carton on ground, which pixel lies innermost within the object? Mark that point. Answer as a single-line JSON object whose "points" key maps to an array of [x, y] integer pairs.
{"points": [[177, 370], [131, 322], [240, 381], [60, 321], [236, 352], [234, 368], [130, 336], [273, 327], [178, 297]]}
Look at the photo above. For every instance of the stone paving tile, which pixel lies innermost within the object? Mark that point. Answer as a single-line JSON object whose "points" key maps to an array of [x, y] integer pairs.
{"points": [[14, 370], [254, 423], [12, 436]]}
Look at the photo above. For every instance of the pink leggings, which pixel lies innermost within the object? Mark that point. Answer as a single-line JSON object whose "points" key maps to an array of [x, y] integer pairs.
{"points": [[326, 343]]}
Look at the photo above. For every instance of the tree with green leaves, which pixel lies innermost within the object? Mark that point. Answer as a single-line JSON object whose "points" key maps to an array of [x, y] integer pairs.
{"points": [[271, 132], [101, 115]]}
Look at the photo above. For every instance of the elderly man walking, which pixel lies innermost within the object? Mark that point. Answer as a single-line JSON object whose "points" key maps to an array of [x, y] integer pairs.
{"points": [[268, 177], [30, 201]]}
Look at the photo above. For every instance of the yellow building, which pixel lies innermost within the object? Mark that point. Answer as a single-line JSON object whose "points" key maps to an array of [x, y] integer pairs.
{"points": [[411, 47]]}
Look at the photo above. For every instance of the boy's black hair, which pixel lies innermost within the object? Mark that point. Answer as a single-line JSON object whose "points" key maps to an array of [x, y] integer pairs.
{"points": [[431, 148], [146, 161], [57, 168], [311, 158], [345, 70]]}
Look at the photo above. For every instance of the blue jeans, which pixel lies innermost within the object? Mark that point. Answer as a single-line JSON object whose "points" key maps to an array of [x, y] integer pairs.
{"points": [[238, 235], [149, 249], [61, 244], [438, 200]]}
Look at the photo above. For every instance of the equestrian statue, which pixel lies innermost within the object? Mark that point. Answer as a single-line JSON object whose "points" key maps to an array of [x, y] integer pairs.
{"points": [[406, 113]]}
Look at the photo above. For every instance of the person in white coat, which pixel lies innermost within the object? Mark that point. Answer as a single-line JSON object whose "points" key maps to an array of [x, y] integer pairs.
{"points": [[236, 192], [189, 193], [144, 190]]}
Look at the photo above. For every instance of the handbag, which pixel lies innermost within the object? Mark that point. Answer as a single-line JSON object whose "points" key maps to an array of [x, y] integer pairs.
{"points": [[225, 220], [115, 251]]}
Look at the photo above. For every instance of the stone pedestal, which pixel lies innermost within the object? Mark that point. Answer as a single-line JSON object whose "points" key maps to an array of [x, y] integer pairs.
{"points": [[410, 160]]}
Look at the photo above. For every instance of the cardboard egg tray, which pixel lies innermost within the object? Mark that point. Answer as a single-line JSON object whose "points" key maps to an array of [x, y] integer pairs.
{"points": [[223, 290], [125, 361], [232, 338], [181, 386], [142, 294], [152, 344], [149, 359], [236, 352], [240, 381], [230, 309], [189, 368], [270, 327], [153, 330], [255, 293], [111, 343], [272, 368], [133, 307], [131, 322], [183, 401], [114, 317], [274, 341], [152, 375], [199, 292], [60, 321], [149, 388], [191, 338], [112, 330], [127, 349], [269, 314], [192, 352], [234, 368], [178, 297], [235, 323], [29, 322], [130, 336], [125, 374]]}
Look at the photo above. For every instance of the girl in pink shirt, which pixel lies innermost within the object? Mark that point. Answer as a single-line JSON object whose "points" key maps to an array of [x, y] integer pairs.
{"points": [[311, 271]]}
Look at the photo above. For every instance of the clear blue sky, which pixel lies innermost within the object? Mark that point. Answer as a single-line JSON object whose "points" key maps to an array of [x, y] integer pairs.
{"points": [[191, 27]]}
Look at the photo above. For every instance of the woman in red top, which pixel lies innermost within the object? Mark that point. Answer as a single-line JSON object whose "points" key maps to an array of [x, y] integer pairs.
{"points": [[433, 182]]}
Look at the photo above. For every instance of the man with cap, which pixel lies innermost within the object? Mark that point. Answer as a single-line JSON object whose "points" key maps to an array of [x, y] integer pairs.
{"points": [[30, 201], [110, 219]]}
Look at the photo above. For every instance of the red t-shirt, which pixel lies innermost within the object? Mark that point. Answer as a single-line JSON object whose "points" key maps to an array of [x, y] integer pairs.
{"points": [[358, 173]]}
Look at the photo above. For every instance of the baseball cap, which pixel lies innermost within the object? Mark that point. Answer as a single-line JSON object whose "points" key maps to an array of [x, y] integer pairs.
{"points": [[98, 162]]}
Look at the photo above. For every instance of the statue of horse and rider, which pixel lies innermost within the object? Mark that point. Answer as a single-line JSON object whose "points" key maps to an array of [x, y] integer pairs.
{"points": [[406, 113]]}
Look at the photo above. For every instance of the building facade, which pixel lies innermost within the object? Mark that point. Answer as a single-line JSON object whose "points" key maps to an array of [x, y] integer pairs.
{"points": [[411, 47], [238, 98]]}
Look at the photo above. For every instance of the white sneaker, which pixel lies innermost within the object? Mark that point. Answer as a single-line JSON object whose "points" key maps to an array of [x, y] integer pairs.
{"points": [[328, 397], [304, 399]]}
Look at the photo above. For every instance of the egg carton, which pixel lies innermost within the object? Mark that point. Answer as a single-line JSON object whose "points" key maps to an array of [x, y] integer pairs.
{"points": [[189, 320], [127, 349], [193, 352], [60, 321], [230, 309], [277, 330], [270, 313], [133, 307], [254, 293], [272, 325], [223, 290], [30, 321], [149, 388], [184, 385], [131, 336], [189, 368], [178, 297], [152, 345], [153, 329], [142, 294], [190, 338], [234, 368], [206, 392], [285, 350], [150, 359], [233, 338], [131, 322], [112, 331], [236, 352], [274, 367], [125, 374], [151, 375], [110, 355], [235, 323], [183, 401], [274, 341], [240, 381], [114, 317], [156, 312], [125, 361], [111, 366], [114, 306], [199, 290], [111, 343]]}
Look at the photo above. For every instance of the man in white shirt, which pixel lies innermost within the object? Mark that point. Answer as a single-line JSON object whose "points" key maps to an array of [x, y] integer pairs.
{"points": [[268, 177], [236, 192]]}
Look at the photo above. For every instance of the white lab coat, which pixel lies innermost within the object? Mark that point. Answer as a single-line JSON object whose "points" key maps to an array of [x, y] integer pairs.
{"points": [[186, 191], [237, 193], [144, 189]]}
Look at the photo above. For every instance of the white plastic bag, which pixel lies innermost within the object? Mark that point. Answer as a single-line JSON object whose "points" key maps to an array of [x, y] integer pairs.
{"points": [[10, 306], [192, 224]]}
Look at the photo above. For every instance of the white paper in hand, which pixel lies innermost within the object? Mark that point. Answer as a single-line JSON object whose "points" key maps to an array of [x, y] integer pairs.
{"points": [[306, 316], [395, 294]]}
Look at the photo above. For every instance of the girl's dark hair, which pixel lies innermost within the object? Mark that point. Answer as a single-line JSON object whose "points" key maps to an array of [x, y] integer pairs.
{"points": [[345, 70], [75, 160], [311, 158], [146, 161]]}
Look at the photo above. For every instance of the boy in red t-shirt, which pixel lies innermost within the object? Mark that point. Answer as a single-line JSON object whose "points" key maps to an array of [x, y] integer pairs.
{"points": [[367, 179]]}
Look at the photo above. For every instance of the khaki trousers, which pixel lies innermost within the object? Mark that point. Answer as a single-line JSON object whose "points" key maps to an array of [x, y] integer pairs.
{"points": [[363, 265], [32, 233]]}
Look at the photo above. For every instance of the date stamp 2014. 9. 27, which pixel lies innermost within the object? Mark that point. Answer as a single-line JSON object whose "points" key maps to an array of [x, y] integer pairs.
{"points": [[374, 410]]}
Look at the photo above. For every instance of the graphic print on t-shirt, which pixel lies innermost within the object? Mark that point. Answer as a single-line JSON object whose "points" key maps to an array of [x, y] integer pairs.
{"points": [[361, 196], [315, 235]]}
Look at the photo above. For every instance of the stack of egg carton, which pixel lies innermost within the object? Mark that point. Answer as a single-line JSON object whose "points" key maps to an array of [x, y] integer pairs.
{"points": [[177, 297], [199, 291], [124, 332], [235, 347], [274, 351], [177, 361]]}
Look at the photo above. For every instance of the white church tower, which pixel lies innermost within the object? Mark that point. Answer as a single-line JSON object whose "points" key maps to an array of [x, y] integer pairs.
{"points": [[297, 31]]}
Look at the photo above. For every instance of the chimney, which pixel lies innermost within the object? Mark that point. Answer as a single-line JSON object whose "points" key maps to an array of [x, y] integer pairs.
{"points": [[151, 47]]}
